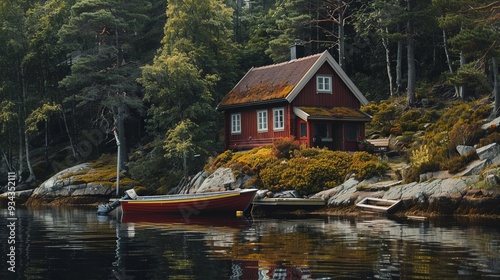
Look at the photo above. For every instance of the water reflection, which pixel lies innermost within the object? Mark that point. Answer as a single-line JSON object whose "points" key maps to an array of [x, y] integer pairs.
{"points": [[74, 243]]}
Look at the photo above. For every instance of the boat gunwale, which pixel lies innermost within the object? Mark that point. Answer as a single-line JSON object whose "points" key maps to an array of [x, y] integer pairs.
{"points": [[176, 198]]}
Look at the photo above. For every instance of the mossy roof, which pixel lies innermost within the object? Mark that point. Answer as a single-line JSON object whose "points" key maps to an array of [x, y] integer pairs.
{"points": [[269, 83], [334, 113]]}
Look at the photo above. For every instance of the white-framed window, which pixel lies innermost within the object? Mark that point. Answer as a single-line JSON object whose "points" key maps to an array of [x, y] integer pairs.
{"points": [[262, 120], [279, 119], [236, 123], [324, 84]]}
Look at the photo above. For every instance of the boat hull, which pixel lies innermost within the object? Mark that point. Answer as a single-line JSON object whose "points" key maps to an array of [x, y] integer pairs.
{"points": [[378, 205], [218, 202]]}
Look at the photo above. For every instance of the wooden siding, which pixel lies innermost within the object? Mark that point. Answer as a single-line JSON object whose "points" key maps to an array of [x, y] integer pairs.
{"points": [[249, 136], [341, 95]]}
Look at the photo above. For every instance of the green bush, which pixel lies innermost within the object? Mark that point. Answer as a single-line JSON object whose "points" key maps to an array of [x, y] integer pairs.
{"points": [[384, 115], [366, 165]]}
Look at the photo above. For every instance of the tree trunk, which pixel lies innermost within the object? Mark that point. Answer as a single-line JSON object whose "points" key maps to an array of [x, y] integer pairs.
{"points": [[445, 46], [20, 170], [399, 63], [8, 156], [73, 150], [388, 63], [32, 176], [461, 89], [341, 35], [46, 148], [496, 87], [119, 112], [7, 161], [411, 60], [448, 61]]}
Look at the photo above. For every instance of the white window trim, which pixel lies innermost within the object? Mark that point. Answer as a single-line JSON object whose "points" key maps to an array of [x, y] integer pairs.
{"points": [[264, 123], [275, 121], [324, 77], [236, 123]]}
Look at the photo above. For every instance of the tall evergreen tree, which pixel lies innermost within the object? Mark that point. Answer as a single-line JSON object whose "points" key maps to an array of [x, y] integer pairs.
{"points": [[477, 41], [255, 26], [104, 36], [16, 79], [292, 21], [451, 20], [193, 70], [47, 63]]}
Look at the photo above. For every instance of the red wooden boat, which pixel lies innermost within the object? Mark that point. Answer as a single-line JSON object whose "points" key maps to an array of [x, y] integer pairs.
{"points": [[228, 202]]}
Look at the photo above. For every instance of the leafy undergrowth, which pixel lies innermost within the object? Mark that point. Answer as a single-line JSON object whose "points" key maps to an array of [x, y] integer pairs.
{"points": [[428, 137]]}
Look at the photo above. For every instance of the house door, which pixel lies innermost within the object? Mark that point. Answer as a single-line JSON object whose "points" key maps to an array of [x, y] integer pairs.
{"points": [[338, 136], [322, 135]]}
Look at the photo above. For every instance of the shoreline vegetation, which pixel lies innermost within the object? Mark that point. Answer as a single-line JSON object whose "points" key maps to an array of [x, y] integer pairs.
{"points": [[448, 142], [132, 86]]}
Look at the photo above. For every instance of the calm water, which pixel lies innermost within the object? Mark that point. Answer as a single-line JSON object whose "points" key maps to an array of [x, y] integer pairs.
{"points": [[74, 243]]}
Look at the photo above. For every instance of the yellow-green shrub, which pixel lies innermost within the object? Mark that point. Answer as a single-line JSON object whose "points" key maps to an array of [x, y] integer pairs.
{"points": [[384, 116], [366, 165], [222, 159], [307, 174], [308, 170], [245, 163]]}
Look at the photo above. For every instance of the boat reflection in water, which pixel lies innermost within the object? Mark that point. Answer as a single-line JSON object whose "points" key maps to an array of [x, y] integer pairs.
{"points": [[75, 243], [230, 240], [165, 221]]}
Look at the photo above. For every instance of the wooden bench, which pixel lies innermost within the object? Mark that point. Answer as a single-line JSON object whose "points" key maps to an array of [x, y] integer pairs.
{"points": [[380, 145]]}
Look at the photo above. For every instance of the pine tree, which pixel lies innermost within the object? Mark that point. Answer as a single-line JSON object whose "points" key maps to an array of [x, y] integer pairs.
{"points": [[104, 36]]}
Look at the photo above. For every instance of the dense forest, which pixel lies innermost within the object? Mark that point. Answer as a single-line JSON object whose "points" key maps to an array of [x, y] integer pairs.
{"points": [[76, 74]]}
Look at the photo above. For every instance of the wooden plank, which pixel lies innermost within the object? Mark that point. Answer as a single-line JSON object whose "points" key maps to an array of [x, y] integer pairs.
{"points": [[384, 142]]}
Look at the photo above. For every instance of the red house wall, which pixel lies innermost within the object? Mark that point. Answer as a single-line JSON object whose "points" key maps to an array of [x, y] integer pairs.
{"points": [[341, 95], [249, 136]]}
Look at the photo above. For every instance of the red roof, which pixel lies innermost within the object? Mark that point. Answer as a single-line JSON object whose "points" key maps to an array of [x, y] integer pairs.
{"points": [[267, 83]]}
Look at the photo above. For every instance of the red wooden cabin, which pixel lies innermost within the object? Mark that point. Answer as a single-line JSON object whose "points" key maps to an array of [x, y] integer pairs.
{"points": [[310, 98]]}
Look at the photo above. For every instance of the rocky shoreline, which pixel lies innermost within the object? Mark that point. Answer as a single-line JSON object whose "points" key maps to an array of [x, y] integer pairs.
{"points": [[452, 196], [473, 192]]}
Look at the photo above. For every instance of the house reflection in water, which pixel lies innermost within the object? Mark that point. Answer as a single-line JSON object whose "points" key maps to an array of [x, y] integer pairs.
{"points": [[246, 270]]}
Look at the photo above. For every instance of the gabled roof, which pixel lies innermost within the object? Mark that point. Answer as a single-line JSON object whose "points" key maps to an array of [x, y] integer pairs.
{"points": [[282, 82]]}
